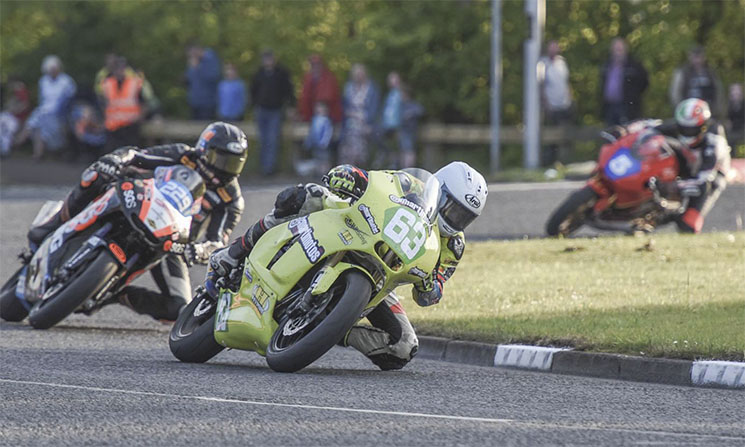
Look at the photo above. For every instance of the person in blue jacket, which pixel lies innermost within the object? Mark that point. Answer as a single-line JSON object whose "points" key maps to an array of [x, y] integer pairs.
{"points": [[202, 76], [231, 95]]}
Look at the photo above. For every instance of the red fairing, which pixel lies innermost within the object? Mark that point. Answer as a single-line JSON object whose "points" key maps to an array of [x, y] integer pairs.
{"points": [[625, 167]]}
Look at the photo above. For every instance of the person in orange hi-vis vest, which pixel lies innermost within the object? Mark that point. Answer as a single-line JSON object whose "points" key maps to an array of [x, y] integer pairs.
{"points": [[123, 109]]}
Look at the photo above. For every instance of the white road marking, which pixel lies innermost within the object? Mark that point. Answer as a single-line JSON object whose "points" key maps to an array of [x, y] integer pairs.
{"points": [[511, 422]]}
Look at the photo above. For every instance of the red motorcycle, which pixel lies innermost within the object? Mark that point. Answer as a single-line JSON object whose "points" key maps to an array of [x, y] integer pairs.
{"points": [[623, 193]]}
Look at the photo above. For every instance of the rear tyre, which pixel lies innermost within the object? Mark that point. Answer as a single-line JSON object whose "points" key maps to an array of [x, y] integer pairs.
{"points": [[11, 308], [86, 284], [192, 338], [572, 213], [285, 354]]}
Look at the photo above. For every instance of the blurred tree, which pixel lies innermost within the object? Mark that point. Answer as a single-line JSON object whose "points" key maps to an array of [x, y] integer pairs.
{"points": [[440, 48]]}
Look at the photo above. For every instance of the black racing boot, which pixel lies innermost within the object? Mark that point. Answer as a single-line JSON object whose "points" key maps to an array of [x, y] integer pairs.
{"points": [[37, 234]]}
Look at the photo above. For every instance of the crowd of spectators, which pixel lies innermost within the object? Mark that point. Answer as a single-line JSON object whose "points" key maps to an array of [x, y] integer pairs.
{"points": [[355, 123], [623, 82]]}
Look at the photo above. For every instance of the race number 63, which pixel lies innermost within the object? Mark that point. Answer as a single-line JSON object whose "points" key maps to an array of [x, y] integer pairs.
{"points": [[407, 230]]}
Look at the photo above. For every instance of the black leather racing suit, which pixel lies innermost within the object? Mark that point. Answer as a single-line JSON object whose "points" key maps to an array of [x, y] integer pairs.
{"points": [[221, 210]]}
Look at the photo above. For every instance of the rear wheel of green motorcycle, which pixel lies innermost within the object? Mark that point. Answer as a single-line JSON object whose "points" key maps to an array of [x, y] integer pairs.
{"points": [[572, 213], [11, 308], [192, 338], [86, 283], [348, 297]]}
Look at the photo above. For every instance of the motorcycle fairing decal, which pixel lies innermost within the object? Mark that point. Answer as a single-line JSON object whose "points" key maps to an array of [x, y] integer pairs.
{"points": [[223, 309], [405, 233], [312, 249], [622, 164], [367, 214], [84, 219]]}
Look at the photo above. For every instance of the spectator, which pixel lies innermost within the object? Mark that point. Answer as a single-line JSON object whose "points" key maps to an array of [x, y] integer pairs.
{"points": [[271, 89], [317, 142], [622, 82], [123, 107], [202, 76], [697, 80], [88, 128], [16, 109], [360, 101], [556, 95], [411, 111], [390, 122], [148, 93], [231, 95], [46, 125], [320, 85], [736, 115]]}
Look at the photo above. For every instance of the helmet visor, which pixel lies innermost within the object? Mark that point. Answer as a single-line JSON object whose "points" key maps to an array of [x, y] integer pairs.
{"points": [[689, 131], [229, 163], [456, 214]]}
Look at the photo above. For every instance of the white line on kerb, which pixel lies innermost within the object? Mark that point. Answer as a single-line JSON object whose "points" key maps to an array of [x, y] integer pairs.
{"points": [[511, 422]]}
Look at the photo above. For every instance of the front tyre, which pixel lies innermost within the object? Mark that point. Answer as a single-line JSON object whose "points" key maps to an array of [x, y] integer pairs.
{"points": [[192, 338], [84, 285], [291, 349], [11, 308], [572, 213]]}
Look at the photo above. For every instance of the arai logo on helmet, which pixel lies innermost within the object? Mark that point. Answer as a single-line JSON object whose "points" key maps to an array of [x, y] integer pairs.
{"points": [[473, 201]]}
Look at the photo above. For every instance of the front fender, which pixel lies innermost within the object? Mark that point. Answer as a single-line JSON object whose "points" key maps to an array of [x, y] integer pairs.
{"points": [[329, 274]]}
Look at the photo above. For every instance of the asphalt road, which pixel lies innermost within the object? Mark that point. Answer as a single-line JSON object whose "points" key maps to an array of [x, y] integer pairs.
{"points": [[90, 382], [110, 379]]}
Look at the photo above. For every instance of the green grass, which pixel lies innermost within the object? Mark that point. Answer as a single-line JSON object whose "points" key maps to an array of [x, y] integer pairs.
{"points": [[668, 295]]}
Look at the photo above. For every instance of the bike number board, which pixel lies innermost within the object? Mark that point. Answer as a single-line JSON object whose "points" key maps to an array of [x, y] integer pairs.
{"points": [[622, 164], [405, 232]]}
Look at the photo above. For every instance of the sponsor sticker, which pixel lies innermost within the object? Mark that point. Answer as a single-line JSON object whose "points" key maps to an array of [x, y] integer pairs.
{"points": [[223, 309], [353, 226], [367, 214], [301, 227], [260, 299], [473, 200], [129, 198], [346, 237]]}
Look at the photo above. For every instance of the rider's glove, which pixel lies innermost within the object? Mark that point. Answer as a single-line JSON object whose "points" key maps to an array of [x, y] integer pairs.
{"points": [[199, 253], [690, 188], [222, 263], [108, 165], [429, 291]]}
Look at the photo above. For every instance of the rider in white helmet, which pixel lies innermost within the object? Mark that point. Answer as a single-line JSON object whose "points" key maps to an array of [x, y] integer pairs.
{"points": [[391, 342], [703, 154]]}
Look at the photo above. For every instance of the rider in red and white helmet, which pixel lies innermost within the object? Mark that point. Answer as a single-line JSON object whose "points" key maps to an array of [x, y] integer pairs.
{"points": [[703, 153]]}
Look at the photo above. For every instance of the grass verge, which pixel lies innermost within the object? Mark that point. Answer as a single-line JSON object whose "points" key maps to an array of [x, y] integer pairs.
{"points": [[668, 295]]}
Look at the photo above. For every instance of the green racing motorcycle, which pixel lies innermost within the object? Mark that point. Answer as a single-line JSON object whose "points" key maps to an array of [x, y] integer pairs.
{"points": [[309, 280]]}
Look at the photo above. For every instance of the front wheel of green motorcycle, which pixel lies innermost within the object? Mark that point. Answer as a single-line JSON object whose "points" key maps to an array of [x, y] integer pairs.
{"points": [[300, 341], [192, 339]]}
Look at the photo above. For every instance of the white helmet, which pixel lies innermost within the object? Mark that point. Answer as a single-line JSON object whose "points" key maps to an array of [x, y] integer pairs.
{"points": [[463, 197]]}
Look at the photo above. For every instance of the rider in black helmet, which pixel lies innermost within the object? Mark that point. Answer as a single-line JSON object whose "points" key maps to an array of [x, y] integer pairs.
{"points": [[218, 157]]}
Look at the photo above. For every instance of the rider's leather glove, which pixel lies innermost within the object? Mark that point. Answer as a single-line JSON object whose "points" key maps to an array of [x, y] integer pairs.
{"points": [[108, 165], [429, 291], [199, 253], [222, 263]]}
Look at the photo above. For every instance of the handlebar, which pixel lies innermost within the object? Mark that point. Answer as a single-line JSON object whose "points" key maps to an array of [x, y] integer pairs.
{"points": [[663, 202]]}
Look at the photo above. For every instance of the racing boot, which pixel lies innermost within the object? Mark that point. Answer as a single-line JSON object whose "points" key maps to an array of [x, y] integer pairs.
{"points": [[160, 307]]}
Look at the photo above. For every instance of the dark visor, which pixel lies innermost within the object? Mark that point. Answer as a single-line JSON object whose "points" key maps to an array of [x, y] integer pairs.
{"points": [[456, 215], [689, 131], [228, 163]]}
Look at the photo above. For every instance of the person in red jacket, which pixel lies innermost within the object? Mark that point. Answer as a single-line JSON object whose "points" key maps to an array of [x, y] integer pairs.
{"points": [[320, 85]]}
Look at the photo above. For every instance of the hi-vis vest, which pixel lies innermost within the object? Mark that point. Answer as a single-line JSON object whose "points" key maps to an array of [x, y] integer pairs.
{"points": [[122, 105]]}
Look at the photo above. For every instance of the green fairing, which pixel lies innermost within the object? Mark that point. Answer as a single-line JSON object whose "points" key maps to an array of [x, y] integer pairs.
{"points": [[248, 316]]}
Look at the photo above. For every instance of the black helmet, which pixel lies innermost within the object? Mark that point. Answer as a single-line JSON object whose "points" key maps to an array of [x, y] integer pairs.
{"points": [[346, 181], [223, 147]]}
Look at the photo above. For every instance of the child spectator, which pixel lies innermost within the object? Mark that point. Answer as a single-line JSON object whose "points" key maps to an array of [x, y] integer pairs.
{"points": [[318, 141], [231, 95]]}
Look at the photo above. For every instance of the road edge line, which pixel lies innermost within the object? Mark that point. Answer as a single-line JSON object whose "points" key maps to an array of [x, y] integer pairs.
{"points": [[557, 360]]}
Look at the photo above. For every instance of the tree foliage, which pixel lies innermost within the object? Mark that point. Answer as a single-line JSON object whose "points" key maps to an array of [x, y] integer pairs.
{"points": [[442, 48]]}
